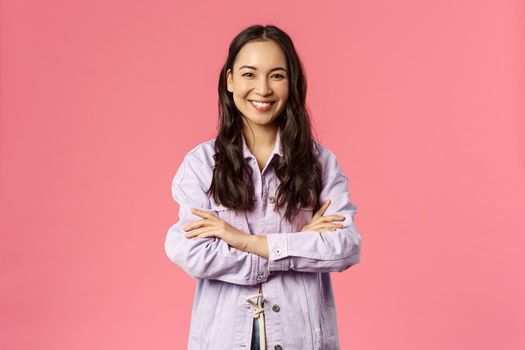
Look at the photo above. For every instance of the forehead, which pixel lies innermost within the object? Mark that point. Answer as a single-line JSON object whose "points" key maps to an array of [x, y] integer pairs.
{"points": [[261, 54]]}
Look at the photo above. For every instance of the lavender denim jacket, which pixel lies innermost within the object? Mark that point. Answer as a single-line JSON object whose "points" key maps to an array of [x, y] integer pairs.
{"points": [[300, 310]]}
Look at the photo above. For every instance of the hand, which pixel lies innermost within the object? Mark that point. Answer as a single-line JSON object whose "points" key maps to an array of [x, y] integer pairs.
{"points": [[212, 226], [322, 223]]}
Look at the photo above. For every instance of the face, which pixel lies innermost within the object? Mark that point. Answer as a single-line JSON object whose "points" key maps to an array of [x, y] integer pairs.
{"points": [[259, 74]]}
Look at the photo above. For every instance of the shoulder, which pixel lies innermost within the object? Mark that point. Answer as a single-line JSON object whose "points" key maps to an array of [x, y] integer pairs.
{"points": [[323, 152], [197, 164], [329, 162], [325, 155], [201, 153]]}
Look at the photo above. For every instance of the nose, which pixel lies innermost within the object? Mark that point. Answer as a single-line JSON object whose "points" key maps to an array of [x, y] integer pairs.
{"points": [[263, 87]]}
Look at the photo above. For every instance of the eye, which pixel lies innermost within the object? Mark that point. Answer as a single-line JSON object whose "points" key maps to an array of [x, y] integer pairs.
{"points": [[282, 76], [246, 73]]}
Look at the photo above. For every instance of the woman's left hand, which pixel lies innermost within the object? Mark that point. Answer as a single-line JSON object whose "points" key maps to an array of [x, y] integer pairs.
{"points": [[212, 226]]}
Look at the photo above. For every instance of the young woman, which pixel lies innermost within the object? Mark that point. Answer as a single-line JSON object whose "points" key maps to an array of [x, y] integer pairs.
{"points": [[264, 211]]}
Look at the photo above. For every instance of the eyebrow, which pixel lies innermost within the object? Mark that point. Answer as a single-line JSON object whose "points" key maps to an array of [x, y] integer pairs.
{"points": [[271, 70]]}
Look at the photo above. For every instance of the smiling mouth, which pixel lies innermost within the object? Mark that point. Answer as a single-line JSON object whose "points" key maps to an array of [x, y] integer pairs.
{"points": [[262, 106], [258, 101]]}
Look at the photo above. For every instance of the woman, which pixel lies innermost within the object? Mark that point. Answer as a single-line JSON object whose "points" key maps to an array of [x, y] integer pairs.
{"points": [[264, 212]]}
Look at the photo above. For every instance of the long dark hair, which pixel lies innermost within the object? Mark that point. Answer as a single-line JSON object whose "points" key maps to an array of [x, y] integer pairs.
{"points": [[299, 170]]}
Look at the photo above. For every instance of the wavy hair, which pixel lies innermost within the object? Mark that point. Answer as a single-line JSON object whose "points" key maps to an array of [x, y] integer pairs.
{"points": [[299, 170]]}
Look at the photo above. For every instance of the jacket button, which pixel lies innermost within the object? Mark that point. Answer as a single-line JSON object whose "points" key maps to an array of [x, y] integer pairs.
{"points": [[276, 308], [278, 347], [259, 277], [271, 199]]}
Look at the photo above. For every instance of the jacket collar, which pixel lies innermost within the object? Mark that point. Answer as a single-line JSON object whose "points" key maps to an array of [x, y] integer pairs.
{"points": [[276, 150]]}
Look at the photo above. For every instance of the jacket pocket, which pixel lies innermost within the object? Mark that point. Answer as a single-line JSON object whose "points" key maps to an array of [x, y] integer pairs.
{"points": [[303, 217], [223, 213]]}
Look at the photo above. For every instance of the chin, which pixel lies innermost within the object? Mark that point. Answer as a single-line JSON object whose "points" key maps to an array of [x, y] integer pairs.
{"points": [[262, 122]]}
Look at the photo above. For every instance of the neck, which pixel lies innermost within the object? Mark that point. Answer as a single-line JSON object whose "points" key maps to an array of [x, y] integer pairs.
{"points": [[260, 137]]}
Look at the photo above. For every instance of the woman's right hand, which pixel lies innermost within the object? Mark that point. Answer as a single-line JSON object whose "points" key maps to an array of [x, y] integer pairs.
{"points": [[322, 223]]}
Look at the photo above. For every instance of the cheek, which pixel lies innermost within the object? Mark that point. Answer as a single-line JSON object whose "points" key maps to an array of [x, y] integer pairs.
{"points": [[240, 97], [240, 103], [282, 91], [283, 101], [242, 89]]}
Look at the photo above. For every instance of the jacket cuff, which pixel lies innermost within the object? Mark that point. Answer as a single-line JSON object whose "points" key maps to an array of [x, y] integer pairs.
{"points": [[278, 258]]}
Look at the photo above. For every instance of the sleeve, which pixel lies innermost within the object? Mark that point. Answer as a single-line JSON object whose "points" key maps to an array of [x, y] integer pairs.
{"points": [[209, 257], [313, 251]]}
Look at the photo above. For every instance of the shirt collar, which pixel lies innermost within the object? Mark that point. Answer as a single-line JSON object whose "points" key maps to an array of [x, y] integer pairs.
{"points": [[276, 150]]}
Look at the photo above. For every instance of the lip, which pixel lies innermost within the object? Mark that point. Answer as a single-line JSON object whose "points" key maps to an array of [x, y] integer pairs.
{"points": [[262, 109], [263, 101]]}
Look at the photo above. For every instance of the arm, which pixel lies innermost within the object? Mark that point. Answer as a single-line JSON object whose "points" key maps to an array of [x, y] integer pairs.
{"points": [[208, 257], [312, 251]]}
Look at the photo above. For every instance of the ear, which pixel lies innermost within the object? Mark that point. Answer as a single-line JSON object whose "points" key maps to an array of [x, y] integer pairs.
{"points": [[229, 82]]}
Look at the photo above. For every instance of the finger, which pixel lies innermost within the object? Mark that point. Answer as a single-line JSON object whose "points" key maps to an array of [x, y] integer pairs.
{"points": [[323, 208], [332, 218], [325, 219], [204, 235], [332, 227], [326, 227], [210, 232], [202, 213], [194, 225], [194, 233], [321, 226]]}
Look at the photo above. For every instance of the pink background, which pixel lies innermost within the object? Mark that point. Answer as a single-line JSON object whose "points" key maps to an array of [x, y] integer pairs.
{"points": [[422, 102]]}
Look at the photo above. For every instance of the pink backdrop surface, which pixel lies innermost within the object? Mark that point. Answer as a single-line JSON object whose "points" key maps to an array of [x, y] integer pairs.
{"points": [[422, 102]]}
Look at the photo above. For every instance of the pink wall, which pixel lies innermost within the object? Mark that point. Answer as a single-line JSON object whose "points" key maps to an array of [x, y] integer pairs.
{"points": [[422, 102]]}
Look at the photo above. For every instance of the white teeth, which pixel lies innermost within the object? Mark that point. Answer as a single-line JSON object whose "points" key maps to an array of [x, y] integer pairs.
{"points": [[261, 104]]}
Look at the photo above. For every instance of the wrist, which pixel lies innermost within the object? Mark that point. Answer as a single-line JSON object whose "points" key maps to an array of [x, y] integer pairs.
{"points": [[238, 239], [258, 244], [249, 242]]}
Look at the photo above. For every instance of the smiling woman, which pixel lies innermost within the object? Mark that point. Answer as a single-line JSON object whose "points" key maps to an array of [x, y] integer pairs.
{"points": [[261, 85], [264, 210]]}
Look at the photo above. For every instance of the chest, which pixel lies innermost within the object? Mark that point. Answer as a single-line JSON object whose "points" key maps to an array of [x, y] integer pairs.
{"points": [[265, 217]]}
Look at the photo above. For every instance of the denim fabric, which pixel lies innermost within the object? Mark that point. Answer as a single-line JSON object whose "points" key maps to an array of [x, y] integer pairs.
{"points": [[295, 277]]}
